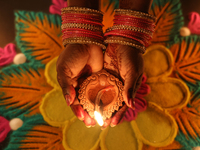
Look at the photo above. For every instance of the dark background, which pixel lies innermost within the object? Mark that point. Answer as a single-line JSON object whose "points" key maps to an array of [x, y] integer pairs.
{"points": [[7, 8]]}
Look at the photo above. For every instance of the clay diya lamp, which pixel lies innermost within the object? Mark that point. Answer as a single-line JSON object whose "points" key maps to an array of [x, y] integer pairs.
{"points": [[101, 95]]}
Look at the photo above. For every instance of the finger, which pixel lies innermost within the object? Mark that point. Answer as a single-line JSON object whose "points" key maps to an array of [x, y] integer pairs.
{"points": [[118, 116], [70, 63], [78, 111], [88, 120], [95, 60], [106, 123]]}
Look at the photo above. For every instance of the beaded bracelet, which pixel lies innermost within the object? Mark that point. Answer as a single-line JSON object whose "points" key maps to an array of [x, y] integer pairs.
{"points": [[135, 13], [125, 41], [131, 28], [83, 40], [82, 25]]}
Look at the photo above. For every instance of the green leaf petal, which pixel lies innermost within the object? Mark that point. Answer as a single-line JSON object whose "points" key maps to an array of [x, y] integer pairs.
{"points": [[38, 35], [187, 60], [169, 20], [22, 89], [35, 134], [188, 120]]}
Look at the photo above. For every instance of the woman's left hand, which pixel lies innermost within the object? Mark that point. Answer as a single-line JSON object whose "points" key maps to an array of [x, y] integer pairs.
{"points": [[126, 63]]}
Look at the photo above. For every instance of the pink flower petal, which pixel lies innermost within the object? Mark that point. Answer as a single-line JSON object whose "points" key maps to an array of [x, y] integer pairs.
{"points": [[194, 24], [57, 6], [140, 102], [130, 115], [4, 128], [144, 78], [55, 9], [143, 90], [7, 54]]}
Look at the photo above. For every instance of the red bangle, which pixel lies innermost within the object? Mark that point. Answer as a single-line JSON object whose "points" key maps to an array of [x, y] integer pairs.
{"points": [[125, 17], [80, 24], [132, 25], [83, 31]]}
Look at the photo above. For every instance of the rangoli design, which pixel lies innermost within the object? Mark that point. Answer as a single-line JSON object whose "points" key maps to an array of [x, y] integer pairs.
{"points": [[167, 103]]}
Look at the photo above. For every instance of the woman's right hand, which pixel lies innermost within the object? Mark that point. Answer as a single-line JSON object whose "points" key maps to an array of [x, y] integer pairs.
{"points": [[75, 63]]}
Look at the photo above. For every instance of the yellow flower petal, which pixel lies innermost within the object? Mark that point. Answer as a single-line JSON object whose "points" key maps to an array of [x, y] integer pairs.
{"points": [[77, 136], [173, 146], [120, 137], [54, 109], [169, 93], [158, 61], [155, 126], [51, 73]]}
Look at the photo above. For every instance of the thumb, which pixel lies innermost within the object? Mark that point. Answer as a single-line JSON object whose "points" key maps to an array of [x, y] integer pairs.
{"points": [[131, 84]]}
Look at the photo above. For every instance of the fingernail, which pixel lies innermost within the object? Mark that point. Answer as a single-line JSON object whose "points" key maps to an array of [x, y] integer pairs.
{"points": [[80, 113], [112, 125], [132, 103], [103, 128], [80, 116], [68, 99], [88, 126]]}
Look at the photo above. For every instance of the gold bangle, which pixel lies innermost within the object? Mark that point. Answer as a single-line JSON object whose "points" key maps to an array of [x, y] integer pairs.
{"points": [[135, 13], [83, 40], [82, 26], [80, 9], [125, 41], [126, 27]]}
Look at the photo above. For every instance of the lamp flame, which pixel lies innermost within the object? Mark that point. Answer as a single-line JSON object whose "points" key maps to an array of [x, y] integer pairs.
{"points": [[97, 115], [98, 118]]}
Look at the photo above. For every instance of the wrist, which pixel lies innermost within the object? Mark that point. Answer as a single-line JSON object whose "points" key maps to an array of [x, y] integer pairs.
{"points": [[92, 4], [137, 5]]}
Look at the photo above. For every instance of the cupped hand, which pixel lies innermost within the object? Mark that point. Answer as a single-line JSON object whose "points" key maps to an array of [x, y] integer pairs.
{"points": [[76, 63], [126, 63]]}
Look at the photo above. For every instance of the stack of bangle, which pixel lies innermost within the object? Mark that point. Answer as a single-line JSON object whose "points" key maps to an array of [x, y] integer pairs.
{"points": [[131, 28], [82, 25]]}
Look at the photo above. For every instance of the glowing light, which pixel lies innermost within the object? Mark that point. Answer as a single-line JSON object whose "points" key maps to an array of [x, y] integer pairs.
{"points": [[98, 118]]}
